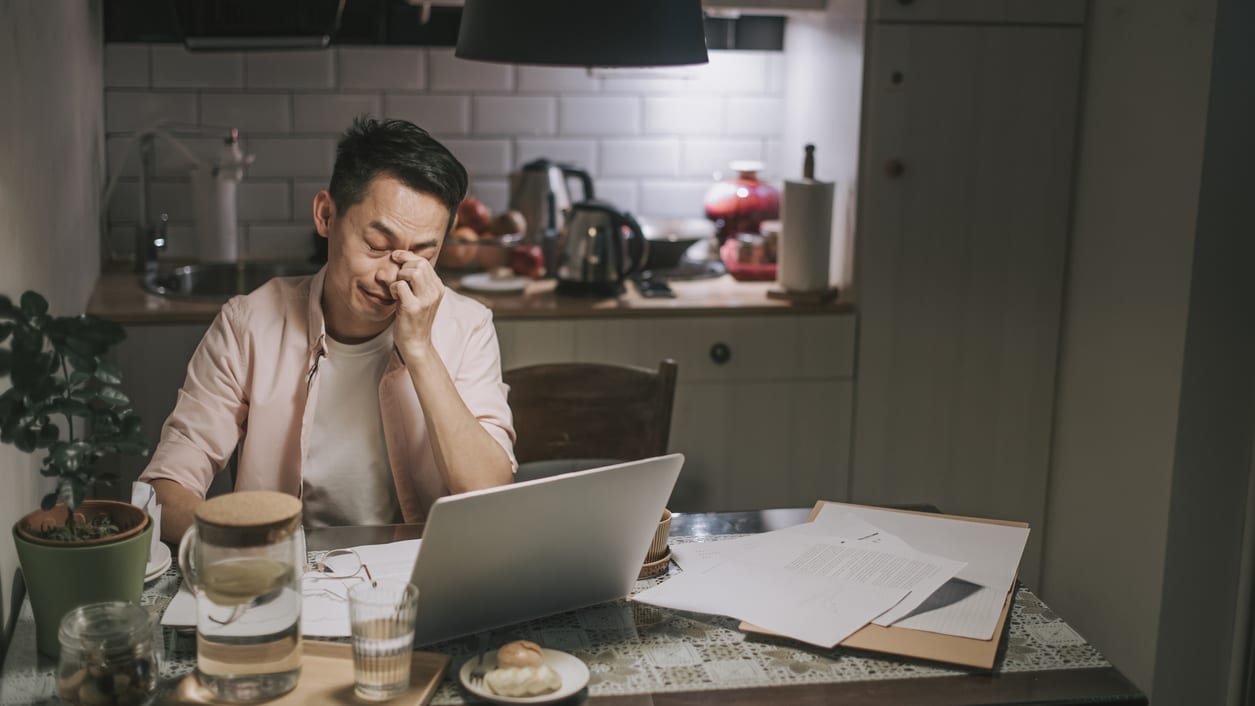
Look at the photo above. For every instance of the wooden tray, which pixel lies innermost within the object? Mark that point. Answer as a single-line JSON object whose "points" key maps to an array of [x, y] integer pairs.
{"points": [[327, 678]]}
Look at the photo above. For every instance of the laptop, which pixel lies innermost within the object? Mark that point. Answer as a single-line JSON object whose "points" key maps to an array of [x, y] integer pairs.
{"points": [[499, 556]]}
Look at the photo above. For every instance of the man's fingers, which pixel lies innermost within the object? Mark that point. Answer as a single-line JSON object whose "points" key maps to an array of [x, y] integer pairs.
{"points": [[402, 293]]}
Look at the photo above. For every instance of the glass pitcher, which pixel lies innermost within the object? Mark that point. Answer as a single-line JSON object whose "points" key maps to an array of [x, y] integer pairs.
{"points": [[244, 557]]}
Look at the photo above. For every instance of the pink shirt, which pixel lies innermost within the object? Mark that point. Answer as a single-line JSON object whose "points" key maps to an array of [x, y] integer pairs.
{"points": [[253, 381]]}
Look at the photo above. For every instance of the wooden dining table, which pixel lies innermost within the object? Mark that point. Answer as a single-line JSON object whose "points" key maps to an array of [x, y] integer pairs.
{"points": [[641, 655]]}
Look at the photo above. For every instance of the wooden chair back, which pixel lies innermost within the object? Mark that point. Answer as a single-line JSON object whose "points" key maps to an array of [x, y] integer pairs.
{"points": [[591, 410]]}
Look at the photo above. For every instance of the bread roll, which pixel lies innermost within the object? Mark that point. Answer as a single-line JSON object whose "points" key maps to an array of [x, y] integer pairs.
{"points": [[523, 681], [520, 653]]}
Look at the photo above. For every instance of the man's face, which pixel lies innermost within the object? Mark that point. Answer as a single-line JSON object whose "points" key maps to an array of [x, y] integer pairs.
{"points": [[356, 300]]}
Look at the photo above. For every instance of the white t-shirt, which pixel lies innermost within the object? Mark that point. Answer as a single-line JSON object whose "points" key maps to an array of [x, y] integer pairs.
{"points": [[347, 479]]}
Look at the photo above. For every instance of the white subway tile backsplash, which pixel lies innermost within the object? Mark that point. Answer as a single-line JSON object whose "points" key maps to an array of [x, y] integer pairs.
{"points": [[650, 81], [651, 138], [396, 68], [303, 191], [783, 166], [176, 67], [449, 73], [684, 115], [679, 199], [292, 156], [170, 161], [733, 72], [126, 65], [288, 241], [263, 201], [755, 116], [116, 150], [600, 115], [703, 158], [482, 158], [250, 112], [775, 73], [332, 112], [128, 111], [623, 193], [514, 115], [439, 115], [556, 79], [495, 193], [652, 157], [290, 69], [578, 153]]}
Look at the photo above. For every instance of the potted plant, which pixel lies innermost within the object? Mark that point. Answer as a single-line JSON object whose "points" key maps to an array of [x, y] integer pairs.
{"points": [[65, 401]]}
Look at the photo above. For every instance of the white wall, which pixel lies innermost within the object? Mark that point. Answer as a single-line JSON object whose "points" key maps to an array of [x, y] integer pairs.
{"points": [[52, 128], [1127, 298], [651, 138]]}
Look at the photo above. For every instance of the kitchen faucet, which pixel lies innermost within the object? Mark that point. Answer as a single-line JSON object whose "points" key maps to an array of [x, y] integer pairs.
{"points": [[150, 239]]}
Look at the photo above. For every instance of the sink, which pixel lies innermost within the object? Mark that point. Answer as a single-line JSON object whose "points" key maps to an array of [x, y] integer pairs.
{"points": [[219, 281]]}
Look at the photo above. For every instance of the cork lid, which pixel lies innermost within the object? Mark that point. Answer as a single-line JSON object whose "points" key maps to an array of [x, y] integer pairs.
{"points": [[248, 518]]}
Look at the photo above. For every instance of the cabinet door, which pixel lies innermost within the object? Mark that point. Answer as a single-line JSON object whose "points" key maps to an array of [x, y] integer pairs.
{"points": [[962, 240]]}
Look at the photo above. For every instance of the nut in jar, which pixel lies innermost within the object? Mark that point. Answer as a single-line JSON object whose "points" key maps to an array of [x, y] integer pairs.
{"points": [[107, 656]]}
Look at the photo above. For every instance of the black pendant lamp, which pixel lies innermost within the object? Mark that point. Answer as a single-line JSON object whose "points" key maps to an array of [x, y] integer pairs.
{"points": [[583, 32]]}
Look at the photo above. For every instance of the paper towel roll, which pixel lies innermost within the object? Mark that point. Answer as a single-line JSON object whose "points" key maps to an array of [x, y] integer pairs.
{"points": [[214, 207], [805, 235]]}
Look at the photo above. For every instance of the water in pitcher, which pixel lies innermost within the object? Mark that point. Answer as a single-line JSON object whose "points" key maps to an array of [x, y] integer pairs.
{"points": [[248, 637]]}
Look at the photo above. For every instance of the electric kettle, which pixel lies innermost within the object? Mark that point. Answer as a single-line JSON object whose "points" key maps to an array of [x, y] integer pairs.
{"points": [[539, 191], [601, 246]]}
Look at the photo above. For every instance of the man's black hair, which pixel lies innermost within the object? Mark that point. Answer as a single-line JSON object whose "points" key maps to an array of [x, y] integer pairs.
{"points": [[399, 149]]}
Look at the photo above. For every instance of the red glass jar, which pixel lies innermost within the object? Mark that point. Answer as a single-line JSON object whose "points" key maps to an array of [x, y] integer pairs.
{"points": [[741, 204]]}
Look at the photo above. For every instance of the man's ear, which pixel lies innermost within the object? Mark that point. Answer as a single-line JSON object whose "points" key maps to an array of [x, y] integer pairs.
{"points": [[324, 212]]}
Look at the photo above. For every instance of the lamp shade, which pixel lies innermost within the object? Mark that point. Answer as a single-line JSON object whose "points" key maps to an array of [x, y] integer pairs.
{"points": [[583, 32]]}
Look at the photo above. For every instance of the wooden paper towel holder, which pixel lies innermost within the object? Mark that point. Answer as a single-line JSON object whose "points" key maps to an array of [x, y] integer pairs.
{"points": [[822, 296]]}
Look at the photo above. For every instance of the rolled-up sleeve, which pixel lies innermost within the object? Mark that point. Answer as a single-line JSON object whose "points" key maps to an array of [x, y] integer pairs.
{"points": [[201, 433], [478, 381]]}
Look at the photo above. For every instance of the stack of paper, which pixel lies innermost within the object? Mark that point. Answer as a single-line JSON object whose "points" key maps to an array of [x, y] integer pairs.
{"points": [[822, 581]]}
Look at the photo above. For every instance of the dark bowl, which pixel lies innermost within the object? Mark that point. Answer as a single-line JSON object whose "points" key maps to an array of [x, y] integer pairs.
{"points": [[670, 238]]}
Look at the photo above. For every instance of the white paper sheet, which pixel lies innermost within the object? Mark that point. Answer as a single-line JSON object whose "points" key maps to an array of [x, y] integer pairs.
{"points": [[971, 603], [324, 602], [802, 582]]}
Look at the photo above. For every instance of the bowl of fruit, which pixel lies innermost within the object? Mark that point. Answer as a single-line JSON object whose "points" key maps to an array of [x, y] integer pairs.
{"points": [[481, 240]]}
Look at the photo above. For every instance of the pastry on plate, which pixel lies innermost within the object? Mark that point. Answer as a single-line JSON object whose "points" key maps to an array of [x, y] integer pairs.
{"points": [[521, 671]]}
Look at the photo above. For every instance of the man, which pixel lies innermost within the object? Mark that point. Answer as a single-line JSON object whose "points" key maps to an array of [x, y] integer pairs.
{"points": [[368, 389]]}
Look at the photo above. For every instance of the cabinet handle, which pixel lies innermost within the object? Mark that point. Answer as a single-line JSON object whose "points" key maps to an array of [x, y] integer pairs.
{"points": [[896, 77], [895, 168], [720, 353], [905, 2]]}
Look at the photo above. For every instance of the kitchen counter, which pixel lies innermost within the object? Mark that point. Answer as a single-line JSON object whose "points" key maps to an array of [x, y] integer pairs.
{"points": [[117, 296]]}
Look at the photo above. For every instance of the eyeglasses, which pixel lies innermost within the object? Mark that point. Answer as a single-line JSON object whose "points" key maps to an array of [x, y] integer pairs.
{"points": [[337, 567]]}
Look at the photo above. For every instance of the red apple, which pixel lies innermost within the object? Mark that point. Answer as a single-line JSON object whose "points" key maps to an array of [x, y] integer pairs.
{"points": [[527, 260], [474, 214]]}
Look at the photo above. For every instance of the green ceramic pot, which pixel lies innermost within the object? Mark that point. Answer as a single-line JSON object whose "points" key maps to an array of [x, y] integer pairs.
{"points": [[60, 577]]}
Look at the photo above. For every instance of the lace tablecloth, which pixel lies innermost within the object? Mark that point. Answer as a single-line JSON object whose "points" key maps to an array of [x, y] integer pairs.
{"points": [[631, 648]]}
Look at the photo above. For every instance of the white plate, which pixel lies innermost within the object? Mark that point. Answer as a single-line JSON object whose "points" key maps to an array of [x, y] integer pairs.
{"points": [[485, 282], [157, 563], [573, 671]]}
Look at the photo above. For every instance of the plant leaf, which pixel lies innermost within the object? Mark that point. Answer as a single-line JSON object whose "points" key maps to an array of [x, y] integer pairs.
{"points": [[6, 328], [112, 396], [48, 436], [33, 304], [48, 501], [108, 373], [6, 361]]}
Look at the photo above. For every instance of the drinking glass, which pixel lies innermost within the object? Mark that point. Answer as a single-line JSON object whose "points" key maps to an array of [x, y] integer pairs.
{"points": [[382, 614]]}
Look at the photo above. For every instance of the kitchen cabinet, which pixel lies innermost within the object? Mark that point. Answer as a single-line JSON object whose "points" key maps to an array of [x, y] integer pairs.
{"points": [[769, 426], [763, 408], [965, 185]]}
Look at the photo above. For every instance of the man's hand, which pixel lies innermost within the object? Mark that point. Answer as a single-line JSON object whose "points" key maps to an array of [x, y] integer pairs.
{"points": [[418, 291]]}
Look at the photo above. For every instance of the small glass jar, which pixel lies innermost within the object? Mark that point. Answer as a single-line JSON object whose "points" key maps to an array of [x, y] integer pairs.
{"points": [[741, 204], [107, 656]]}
